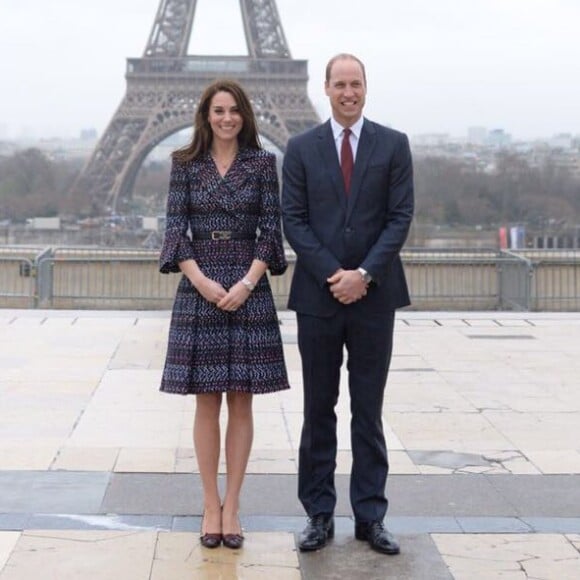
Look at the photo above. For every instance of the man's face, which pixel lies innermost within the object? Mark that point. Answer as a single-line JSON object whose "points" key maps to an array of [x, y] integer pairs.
{"points": [[346, 90]]}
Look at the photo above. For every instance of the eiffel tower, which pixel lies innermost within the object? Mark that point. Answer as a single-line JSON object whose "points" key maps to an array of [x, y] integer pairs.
{"points": [[165, 84]]}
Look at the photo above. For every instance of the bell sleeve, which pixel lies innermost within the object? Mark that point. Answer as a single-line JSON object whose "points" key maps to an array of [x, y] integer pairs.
{"points": [[270, 247], [177, 245]]}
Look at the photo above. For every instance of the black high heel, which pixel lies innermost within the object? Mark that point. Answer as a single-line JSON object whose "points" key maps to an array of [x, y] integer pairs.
{"points": [[234, 541], [209, 540]]}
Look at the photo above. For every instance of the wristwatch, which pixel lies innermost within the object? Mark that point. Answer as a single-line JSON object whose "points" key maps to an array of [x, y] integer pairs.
{"points": [[248, 284], [365, 275]]}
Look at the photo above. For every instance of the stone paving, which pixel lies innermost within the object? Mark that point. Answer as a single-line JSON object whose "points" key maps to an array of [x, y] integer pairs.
{"points": [[98, 477]]}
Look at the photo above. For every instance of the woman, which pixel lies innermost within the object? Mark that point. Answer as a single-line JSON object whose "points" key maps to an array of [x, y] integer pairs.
{"points": [[223, 233]]}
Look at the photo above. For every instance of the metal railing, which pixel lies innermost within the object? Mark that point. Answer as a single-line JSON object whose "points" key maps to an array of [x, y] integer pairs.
{"points": [[105, 279], [19, 282], [97, 278], [555, 281], [452, 279]]}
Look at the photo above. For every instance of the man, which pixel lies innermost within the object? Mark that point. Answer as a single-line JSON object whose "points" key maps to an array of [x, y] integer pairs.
{"points": [[347, 204]]}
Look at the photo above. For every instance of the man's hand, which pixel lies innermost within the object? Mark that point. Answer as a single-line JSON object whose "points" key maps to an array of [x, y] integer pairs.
{"points": [[347, 286]]}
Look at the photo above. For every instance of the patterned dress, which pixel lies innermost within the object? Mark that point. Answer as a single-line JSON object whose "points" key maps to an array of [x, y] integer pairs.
{"points": [[210, 350]]}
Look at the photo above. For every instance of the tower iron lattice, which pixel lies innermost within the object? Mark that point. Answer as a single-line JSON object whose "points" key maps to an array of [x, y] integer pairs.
{"points": [[165, 84]]}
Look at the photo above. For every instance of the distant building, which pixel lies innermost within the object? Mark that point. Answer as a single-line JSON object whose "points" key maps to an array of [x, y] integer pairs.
{"points": [[89, 134], [562, 141], [431, 139], [498, 138], [477, 135]]}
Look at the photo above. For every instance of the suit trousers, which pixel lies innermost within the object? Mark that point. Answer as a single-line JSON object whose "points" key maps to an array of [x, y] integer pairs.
{"points": [[367, 338]]}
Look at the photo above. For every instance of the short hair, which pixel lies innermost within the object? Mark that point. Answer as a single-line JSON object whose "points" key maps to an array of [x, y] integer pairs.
{"points": [[344, 56]]}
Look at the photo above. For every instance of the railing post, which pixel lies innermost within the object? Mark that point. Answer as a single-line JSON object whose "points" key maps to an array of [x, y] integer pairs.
{"points": [[514, 281], [44, 263]]}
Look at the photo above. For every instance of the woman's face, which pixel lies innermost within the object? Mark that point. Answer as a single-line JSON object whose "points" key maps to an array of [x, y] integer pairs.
{"points": [[224, 117]]}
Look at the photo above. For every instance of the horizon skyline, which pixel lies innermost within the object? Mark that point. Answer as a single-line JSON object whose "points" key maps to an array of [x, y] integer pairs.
{"points": [[452, 136]]}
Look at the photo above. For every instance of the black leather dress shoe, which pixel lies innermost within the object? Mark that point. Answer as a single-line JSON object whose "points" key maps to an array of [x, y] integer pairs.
{"points": [[320, 528], [378, 537]]}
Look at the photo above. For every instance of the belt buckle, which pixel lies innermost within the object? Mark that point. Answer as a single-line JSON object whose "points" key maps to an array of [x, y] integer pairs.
{"points": [[221, 235]]}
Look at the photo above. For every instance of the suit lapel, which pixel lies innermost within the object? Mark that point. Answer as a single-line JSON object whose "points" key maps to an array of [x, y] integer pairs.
{"points": [[327, 149], [363, 155]]}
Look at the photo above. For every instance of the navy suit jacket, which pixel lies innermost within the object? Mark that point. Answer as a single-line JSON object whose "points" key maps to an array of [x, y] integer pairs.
{"points": [[329, 230]]}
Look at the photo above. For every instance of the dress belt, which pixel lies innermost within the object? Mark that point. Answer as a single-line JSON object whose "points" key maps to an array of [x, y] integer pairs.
{"points": [[223, 235]]}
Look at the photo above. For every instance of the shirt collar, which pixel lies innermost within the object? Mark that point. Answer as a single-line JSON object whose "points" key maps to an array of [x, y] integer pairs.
{"points": [[337, 128]]}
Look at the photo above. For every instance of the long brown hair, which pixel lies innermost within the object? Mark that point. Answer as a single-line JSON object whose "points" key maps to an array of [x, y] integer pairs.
{"points": [[203, 135]]}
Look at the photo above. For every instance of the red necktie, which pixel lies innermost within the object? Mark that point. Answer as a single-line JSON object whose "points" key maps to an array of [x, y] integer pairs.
{"points": [[346, 159]]}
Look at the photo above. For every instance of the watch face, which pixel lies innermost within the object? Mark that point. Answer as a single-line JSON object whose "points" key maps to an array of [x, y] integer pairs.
{"points": [[365, 276]]}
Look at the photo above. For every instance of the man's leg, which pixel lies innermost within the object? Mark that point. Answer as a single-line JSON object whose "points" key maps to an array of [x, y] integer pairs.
{"points": [[320, 342], [369, 343]]}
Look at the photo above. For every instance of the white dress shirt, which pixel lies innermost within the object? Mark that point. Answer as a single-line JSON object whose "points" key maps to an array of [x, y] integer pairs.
{"points": [[355, 130]]}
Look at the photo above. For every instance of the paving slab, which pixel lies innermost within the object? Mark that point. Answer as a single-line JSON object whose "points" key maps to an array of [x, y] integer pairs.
{"points": [[547, 495], [152, 493], [70, 555], [345, 557], [485, 556], [179, 556], [7, 543], [52, 492]]}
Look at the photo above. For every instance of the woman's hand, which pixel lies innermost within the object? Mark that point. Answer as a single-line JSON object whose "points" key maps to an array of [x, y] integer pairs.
{"points": [[211, 290], [235, 297]]}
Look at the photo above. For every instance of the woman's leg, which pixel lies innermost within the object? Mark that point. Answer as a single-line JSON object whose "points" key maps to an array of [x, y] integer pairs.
{"points": [[206, 439], [239, 436]]}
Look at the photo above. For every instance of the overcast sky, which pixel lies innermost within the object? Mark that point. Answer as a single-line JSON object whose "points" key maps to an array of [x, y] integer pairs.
{"points": [[433, 66]]}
